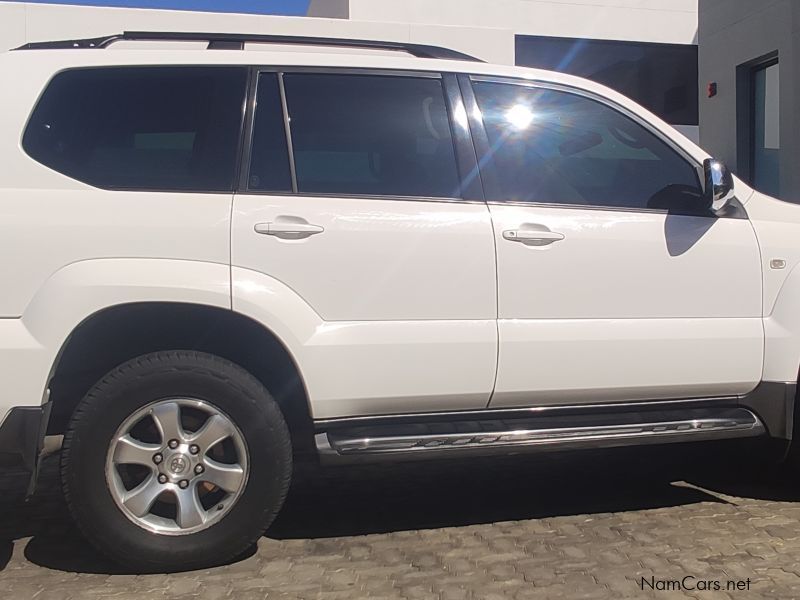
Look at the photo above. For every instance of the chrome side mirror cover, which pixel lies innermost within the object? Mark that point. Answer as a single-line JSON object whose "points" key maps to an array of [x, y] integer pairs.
{"points": [[718, 184]]}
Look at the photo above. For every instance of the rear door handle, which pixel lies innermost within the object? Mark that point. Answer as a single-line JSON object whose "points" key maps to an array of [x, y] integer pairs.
{"points": [[290, 228], [533, 235]]}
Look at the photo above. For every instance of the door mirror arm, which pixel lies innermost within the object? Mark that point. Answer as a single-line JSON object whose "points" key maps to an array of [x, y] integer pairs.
{"points": [[718, 192]]}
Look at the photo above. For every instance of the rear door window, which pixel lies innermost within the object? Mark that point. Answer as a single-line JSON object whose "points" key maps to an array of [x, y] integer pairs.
{"points": [[382, 135]]}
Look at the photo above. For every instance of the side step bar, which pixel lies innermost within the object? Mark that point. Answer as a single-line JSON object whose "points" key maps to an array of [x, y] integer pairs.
{"points": [[361, 443]]}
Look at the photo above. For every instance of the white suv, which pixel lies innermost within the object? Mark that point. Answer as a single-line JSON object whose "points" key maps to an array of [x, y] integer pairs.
{"points": [[214, 258]]}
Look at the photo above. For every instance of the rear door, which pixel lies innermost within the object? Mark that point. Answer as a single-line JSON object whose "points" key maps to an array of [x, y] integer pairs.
{"points": [[365, 218]]}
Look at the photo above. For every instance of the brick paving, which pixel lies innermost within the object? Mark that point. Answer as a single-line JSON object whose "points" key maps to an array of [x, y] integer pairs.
{"points": [[554, 526]]}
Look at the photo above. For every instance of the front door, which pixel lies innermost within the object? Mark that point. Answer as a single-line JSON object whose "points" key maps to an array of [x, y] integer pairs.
{"points": [[612, 286]]}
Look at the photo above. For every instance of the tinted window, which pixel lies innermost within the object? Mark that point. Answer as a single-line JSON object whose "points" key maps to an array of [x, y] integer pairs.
{"points": [[556, 147], [661, 77], [162, 128], [371, 134], [269, 161]]}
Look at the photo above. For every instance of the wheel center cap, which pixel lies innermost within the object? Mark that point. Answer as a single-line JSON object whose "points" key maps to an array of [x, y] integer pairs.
{"points": [[178, 464]]}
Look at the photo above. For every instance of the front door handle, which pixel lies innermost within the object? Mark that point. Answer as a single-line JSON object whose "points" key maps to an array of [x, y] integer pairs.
{"points": [[533, 235], [289, 228]]}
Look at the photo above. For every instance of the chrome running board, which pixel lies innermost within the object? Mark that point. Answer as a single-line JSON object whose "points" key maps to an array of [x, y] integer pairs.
{"points": [[516, 436]]}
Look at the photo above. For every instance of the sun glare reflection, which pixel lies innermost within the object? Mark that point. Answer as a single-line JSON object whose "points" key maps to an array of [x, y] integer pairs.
{"points": [[461, 116], [520, 116]]}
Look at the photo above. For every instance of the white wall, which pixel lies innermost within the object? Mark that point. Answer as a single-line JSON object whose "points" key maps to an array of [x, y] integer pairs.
{"points": [[21, 23], [669, 21]]}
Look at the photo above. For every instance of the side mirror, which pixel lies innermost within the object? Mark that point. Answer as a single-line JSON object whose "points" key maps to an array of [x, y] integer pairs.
{"points": [[718, 185]]}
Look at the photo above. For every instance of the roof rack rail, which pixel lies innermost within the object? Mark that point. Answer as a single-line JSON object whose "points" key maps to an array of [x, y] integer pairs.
{"points": [[236, 41]]}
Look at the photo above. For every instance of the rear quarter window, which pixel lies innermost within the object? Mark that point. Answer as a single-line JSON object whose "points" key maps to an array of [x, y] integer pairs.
{"points": [[141, 128]]}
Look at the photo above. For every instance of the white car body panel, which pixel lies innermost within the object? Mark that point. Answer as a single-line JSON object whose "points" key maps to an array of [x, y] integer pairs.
{"points": [[777, 224], [627, 265], [378, 367], [24, 367], [55, 228], [576, 361], [29, 345], [376, 260], [399, 299], [628, 306]]}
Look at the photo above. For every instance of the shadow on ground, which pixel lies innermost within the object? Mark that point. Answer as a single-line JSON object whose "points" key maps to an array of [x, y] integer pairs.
{"points": [[385, 498], [347, 501]]}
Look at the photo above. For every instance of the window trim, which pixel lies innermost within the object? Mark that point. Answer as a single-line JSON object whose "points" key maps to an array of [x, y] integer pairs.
{"points": [[462, 147], [235, 174], [482, 144], [243, 172], [287, 128]]}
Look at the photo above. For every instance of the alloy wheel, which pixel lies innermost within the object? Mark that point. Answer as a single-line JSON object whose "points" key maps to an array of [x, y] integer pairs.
{"points": [[177, 466]]}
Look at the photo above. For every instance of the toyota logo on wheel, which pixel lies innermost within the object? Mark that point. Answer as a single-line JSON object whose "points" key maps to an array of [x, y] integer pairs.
{"points": [[177, 465]]}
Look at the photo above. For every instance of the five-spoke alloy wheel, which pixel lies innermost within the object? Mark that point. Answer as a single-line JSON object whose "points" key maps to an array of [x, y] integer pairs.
{"points": [[176, 460]]}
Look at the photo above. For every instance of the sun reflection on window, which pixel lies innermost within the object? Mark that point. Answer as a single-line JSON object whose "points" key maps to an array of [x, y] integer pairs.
{"points": [[460, 116], [520, 116]]}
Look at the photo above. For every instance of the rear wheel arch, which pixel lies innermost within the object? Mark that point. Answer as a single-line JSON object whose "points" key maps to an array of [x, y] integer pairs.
{"points": [[116, 334]]}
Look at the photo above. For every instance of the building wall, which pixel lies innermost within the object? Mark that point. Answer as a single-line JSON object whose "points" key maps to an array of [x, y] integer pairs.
{"points": [[669, 21], [734, 33]]}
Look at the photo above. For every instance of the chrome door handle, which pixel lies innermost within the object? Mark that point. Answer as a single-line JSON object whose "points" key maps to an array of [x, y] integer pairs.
{"points": [[289, 228], [533, 235]]}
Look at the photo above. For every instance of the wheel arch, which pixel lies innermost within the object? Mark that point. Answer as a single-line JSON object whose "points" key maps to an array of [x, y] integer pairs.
{"points": [[114, 334]]}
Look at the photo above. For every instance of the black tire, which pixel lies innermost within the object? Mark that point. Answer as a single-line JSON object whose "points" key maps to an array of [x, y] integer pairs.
{"points": [[138, 383]]}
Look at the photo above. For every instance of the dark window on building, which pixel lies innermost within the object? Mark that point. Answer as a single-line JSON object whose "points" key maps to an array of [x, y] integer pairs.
{"points": [[269, 160], [144, 128], [660, 77], [371, 135], [555, 147]]}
